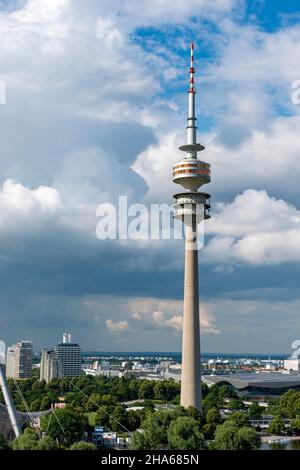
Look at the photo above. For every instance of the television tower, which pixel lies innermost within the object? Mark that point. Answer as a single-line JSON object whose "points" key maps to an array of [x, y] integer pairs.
{"points": [[191, 207]]}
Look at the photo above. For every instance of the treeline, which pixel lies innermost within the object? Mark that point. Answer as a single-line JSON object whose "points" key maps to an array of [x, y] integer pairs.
{"points": [[177, 429], [84, 393], [288, 406]]}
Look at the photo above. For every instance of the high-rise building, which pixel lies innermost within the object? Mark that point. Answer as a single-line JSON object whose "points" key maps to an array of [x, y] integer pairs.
{"points": [[191, 207], [70, 356], [11, 361], [19, 360], [51, 366]]}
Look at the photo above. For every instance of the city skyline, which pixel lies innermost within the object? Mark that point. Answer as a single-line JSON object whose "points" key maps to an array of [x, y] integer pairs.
{"points": [[79, 131]]}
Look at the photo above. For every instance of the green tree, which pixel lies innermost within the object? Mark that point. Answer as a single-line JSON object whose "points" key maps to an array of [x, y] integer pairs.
{"points": [[213, 418], [66, 426], [27, 441], [184, 434], [118, 419], [146, 389], [35, 405], [276, 426], [133, 420], [239, 418], [108, 400], [229, 436], [295, 424], [47, 443], [103, 414], [82, 446], [289, 404], [226, 391], [93, 402], [255, 411], [45, 403], [235, 404], [155, 428], [194, 413], [159, 390], [248, 439]]}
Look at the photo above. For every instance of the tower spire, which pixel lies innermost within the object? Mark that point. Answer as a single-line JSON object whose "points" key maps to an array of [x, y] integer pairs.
{"points": [[191, 128], [192, 70]]}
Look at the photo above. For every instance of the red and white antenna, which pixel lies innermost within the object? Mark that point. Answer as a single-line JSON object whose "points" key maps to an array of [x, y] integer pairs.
{"points": [[192, 70]]}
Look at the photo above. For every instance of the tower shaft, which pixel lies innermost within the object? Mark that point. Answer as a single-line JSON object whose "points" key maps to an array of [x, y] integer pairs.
{"points": [[191, 365]]}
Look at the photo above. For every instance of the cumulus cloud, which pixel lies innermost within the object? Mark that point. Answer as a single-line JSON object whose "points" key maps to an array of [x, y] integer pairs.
{"points": [[116, 327], [95, 109], [167, 313], [256, 229]]}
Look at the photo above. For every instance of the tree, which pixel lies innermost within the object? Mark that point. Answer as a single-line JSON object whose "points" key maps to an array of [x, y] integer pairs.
{"points": [[239, 418], [133, 420], [255, 411], [230, 437], [45, 403], [139, 441], [159, 390], [213, 418], [35, 405], [93, 402], [226, 391], [276, 426], [27, 441], [103, 414], [66, 426], [82, 446], [248, 439], [155, 428], [184, 434], [118, 419], [47, 443], [288, 405], [235, 404], [295, 424], [146, 389], [108, 400], [194, 413]]}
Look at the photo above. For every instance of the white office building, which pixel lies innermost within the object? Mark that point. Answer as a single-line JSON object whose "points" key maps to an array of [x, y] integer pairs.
{"points": [[51, 366], [19, 360]]}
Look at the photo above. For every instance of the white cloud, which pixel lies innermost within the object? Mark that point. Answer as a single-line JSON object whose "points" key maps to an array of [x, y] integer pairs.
{"points": [[256, 229], [167, 313], [117, 327], [84, 100]]}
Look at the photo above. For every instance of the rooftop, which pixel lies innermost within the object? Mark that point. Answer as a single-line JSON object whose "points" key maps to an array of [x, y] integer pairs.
{"points": [[261, 380]]}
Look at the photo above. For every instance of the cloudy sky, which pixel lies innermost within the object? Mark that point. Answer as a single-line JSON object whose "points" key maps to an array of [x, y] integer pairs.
{"points": [[96, 109]]}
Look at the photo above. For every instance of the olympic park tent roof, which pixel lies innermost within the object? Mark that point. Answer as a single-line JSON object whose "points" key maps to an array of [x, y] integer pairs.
{"points": [[5, 425], [264, 382]]}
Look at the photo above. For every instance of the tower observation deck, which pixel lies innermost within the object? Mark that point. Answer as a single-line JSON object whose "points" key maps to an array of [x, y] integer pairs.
{"points": [[191, 207]]}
